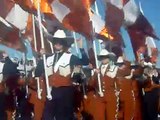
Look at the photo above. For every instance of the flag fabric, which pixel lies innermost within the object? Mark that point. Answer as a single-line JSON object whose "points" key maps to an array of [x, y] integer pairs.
{"points": [[135, 20], [139, 31], [114, 20], [17, 17], [99, 27], [44, 6], [88, 3], [131, 13], [29, 35], [127, 14], [73, 15], [9, 35], [26, 5], [152, 49], [150, 43], [5, 7], [11, 24]]}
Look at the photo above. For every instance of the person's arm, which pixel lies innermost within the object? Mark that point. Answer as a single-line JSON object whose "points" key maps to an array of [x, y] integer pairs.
{"points": [[84, 59], [39, 69]]}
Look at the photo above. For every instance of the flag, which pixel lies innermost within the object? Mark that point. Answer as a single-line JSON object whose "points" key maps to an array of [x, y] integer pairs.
{"points": [[88, 3], [5, 7], [143, 26], [135, 20], [131, 12], [114, 20], [151, 49], [99, 27], [150, 43], [17, 17], [26, 5], [73, 15], [9, 32], [9, 35], [44, 6], [29, 35], [138, 27]]}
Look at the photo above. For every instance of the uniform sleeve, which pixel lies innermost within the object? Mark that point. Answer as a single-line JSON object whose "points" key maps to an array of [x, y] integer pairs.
{"points": [[39, 69], [9, 68], [85, 59], [75, 61]]}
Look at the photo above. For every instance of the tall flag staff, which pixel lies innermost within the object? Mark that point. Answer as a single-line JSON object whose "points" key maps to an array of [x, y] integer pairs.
{"points": [[97, 12], [39, 90], [78, 54], [24, 57], [44, 56], [75, 43], [97, 66], [25, 71]]}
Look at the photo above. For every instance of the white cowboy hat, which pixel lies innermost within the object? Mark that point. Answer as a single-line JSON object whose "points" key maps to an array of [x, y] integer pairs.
{"points": [[61, 37], [120, 60], [104, 54]]}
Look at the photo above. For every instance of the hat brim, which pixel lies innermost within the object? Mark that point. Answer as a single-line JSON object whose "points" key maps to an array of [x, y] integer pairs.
{"points": [[68, 41], [109, 56], [102, 57], [119, 64]]}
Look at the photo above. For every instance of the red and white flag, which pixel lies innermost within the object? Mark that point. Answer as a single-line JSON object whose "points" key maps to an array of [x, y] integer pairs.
{"points": [[73, 15], [9, 35], [17, 17]]}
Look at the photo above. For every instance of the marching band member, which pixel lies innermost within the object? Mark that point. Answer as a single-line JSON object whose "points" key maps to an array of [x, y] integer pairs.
{"points": [[106, 107], [2, 89], [151, 93], [124, 83], [61, 65], [10, 76], [137, 88], [16, 103], [38, 102]]}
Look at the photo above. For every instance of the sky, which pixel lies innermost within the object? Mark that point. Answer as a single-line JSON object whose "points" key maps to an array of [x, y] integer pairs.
{"points": [[151, 8]]}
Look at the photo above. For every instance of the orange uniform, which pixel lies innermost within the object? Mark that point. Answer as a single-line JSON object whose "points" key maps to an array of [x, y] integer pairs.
{"points": [[127, 98], [106, 107], [138, 93], [38, 103]]}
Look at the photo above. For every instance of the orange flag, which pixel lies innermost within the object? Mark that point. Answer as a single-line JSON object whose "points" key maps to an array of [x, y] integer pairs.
{"points": [[44, 6], [73, 15], [29, 34]]}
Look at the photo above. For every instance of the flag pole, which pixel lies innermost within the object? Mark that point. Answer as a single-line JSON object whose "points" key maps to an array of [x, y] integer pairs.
{"points": [[44, 56], [97, 12], [77, 52], [96, 59], [97, 66], [34, 33], [51, 46], [39, 90], [25, 71], [75, 43]]}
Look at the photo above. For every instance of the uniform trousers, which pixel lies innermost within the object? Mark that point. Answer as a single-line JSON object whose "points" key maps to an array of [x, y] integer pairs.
{"points": [[61, 105]]}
